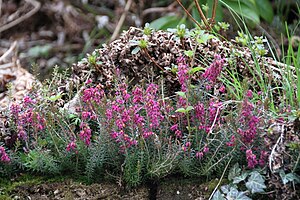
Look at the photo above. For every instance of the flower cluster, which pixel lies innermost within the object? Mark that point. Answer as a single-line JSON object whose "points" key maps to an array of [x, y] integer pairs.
{"points": [[183, 73], [25, 116], [85, 133], [247, 117], [136, 114], [207, 117], [4, 156], [251, 159], [72, 146], [93, 94], [214, 70]]}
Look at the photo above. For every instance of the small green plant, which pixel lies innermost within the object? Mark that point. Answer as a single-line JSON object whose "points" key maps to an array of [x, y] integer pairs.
{"points": [[253, 181]]}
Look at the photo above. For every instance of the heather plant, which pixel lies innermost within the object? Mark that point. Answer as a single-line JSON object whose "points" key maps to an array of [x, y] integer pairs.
{"points": [[135, 133]]}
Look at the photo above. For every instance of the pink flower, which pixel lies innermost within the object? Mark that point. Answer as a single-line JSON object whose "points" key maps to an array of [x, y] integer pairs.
{"points": [[251, 159], [183, 74], [188, 144], [174, 127], [88, 81], [222, 89], [4, 156], [199, 155], [249, 121], [137, 95], [85, 115], [138, 120], [15, 109], [249, 94], [205, 149], [22, 134], [27, 100], [85, 133], [214, 70], [178, 133], [262, 159], [231, 143], [147, 134], [71, 146], [93, 94]]}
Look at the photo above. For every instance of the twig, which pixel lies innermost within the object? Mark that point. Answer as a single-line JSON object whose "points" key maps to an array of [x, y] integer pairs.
{"points": [[6, 66], [188, 13], [12, 47], [214, 122], [280, 139], [202, 15], [36, 5], [212, 194], [213, 16], [169, 8], [121, 21], [0, 8], [155, 63]]}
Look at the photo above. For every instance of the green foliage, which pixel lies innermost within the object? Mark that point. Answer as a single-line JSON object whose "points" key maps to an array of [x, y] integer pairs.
{"points": [[162, 164], [253, 180], [290, 177], [134, 165], [38, 160], [147, 29], [39, 51], [252, 10], [165, 22], [255, 183]]}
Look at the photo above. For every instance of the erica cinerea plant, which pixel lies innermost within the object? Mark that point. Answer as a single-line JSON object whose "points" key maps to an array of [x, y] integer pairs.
{"points": [[140, 132]]}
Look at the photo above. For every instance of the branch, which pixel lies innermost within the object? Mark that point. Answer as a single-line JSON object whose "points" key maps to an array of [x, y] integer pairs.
{"points": [[121, 21], [188, 13], [36, 5]]}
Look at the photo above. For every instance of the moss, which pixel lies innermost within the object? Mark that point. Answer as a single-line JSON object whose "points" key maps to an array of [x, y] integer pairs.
{"points": [[211, 185], [7, 186]]}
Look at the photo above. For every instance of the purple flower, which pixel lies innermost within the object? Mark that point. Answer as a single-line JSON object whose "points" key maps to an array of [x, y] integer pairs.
{"points": [[71, 146], [183, 74], [93, 94], [249, 94], [85, 133], [199, 155], [251, 159], [214, 70], [85, 115], [137, 95], [174, 127], [4, 156], [15, 109]]}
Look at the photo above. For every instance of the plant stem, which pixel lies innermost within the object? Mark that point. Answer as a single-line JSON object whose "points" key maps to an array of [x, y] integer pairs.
{"points": [[202, 15], [214, 12], [147, 53], [188, 13], [212, 194]]}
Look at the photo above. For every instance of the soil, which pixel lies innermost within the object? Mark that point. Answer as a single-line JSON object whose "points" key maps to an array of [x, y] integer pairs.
{"points": [[169, 189]]}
